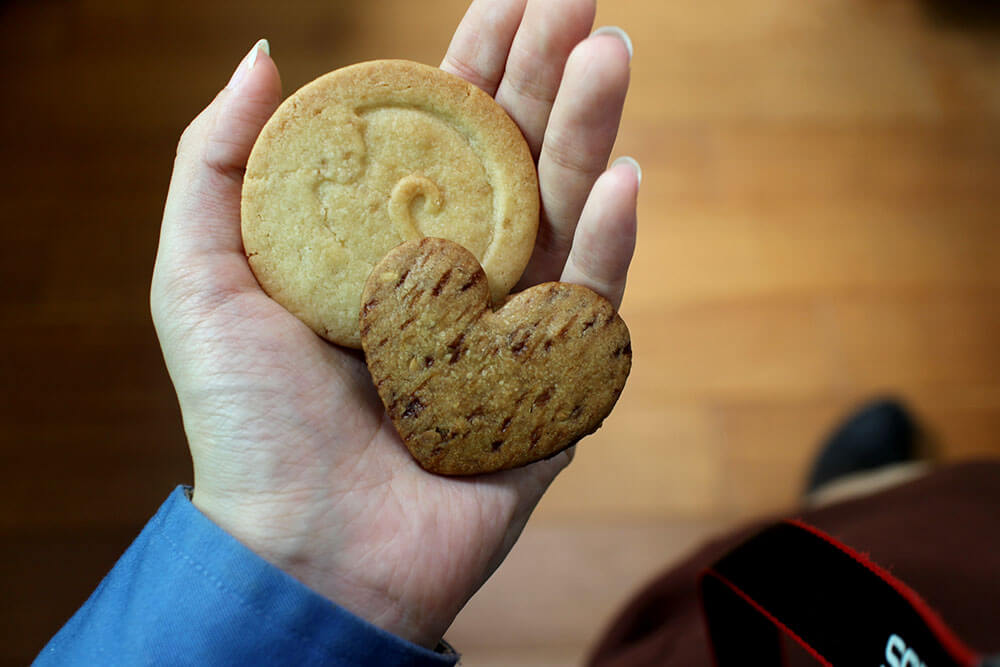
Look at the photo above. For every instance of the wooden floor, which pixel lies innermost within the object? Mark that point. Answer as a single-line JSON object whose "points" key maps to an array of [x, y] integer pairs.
{"points": [[818, 225]]}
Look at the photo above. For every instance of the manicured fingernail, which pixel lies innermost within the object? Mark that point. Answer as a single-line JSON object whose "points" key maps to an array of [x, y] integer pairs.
{"points": [[248, 62], [630, 161], [619, 33]]}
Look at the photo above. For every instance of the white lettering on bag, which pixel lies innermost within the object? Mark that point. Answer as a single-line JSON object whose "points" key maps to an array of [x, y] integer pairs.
{"points": [[897, 654]]}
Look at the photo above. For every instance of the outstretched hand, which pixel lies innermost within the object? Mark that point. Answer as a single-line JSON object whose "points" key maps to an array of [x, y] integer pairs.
{"points": [[293, 453]]}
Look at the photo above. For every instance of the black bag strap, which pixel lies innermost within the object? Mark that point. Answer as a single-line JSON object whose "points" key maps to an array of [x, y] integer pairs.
{"points": [[837, 604]]}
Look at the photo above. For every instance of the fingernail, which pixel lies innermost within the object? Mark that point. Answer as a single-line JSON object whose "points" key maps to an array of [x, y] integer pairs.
{"points": [[619, 33], [248, 62], [630, 161]]}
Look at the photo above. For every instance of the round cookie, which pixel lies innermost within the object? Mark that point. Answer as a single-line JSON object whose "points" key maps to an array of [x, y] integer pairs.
{"points": [[370, 156]]}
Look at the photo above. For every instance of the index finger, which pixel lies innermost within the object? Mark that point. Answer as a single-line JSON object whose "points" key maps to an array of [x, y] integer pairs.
{"points": [[478, 51]]}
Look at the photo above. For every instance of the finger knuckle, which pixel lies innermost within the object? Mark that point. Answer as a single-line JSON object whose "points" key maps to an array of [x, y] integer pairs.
{"points": [[188, 139], [460, 67], [572, 155], [530, 85], [193, 135]]}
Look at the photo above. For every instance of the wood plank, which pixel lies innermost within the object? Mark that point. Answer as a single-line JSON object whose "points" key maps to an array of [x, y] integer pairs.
{"points": [[939, 339], [711, 350], [572, 575], [650, 459]]}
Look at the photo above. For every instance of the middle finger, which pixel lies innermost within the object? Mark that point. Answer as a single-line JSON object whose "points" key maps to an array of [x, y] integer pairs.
{"points": [[548, 32], [578, 142]]}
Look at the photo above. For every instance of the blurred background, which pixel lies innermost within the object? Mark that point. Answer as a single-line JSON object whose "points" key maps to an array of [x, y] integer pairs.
{"points": [[818, 225]]}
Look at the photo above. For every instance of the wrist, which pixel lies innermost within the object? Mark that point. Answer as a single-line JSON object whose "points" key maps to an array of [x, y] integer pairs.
{"points": [[325, 567]]}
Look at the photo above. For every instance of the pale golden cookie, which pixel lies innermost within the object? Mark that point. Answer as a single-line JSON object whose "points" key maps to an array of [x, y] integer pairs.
{"points": [[372, 155], [471, 390]]}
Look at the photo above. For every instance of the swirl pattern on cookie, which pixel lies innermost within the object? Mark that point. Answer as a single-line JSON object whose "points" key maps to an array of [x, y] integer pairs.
{"points": [[368, 157]]}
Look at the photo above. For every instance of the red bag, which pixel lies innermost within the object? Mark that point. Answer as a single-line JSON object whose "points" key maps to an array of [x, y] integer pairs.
{"points": [[793, 580]]}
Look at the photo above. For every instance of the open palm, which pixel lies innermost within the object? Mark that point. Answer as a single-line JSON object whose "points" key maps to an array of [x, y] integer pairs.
{"points": [[293, 453]]}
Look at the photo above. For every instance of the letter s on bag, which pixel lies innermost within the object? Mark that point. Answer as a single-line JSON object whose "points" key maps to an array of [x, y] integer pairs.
{"points": [[894, 650]]}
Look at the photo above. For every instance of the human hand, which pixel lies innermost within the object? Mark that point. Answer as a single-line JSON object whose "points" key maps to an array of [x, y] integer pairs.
{"points": [[293, 453]]}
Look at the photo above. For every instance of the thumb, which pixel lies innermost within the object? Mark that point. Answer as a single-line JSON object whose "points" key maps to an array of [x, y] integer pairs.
{"points": [[202, 213]]}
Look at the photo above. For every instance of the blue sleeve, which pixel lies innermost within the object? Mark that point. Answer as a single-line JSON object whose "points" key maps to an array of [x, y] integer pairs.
{"points": [[186, 592]]}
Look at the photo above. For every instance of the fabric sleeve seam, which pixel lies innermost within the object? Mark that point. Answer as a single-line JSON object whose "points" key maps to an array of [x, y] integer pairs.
{"points": [[319, 649]]}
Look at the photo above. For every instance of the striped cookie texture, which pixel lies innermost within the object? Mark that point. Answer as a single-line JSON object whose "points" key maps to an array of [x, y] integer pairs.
{"points": [[372, 155], [471, 390]]}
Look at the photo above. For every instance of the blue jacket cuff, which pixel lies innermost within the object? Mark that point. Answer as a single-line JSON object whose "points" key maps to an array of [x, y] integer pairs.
{"points": [[187, 592]]}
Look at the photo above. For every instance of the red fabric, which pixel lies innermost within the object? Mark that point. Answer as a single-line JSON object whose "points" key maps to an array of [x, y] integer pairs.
{"points": [[770, 617], [940, 535], [958, 650]]}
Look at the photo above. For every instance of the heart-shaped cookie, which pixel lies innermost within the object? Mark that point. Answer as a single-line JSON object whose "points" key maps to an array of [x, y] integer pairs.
{"points": [[471, 390]]}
